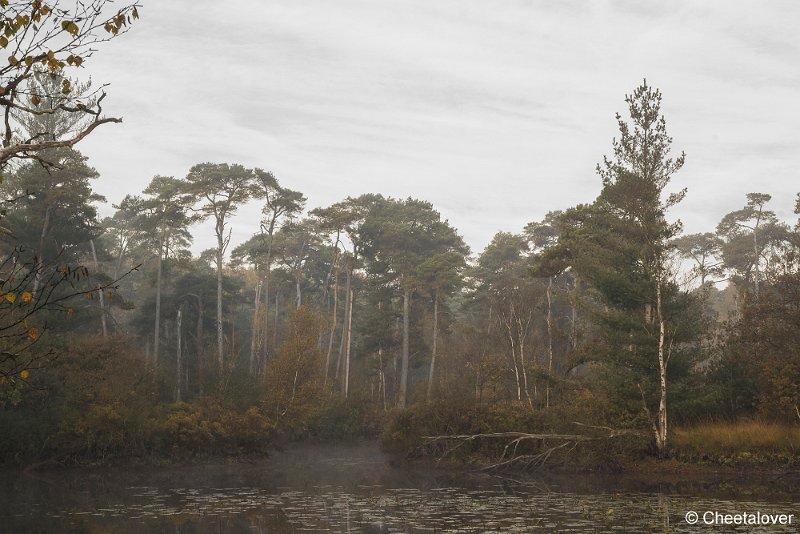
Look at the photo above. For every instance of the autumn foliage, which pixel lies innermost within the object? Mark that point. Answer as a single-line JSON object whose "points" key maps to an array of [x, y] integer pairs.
{"points": [[295, 391]]}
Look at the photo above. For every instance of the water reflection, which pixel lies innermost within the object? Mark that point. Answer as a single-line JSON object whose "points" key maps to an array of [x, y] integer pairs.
{"points": [[353, 489]]}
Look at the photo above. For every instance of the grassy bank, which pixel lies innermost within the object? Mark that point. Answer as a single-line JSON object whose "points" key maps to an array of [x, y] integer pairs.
{"points": [[571, 439], [740, 444]]}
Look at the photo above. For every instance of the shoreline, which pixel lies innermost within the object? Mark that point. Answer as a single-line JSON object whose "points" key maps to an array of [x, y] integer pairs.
{"points": [[666, 467]]}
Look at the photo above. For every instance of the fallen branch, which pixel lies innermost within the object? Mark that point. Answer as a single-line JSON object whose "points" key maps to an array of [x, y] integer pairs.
{"points": [[511, 455]]}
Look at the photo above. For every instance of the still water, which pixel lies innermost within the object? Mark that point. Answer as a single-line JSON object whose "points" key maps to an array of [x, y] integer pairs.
{"points": [[355, 488]]}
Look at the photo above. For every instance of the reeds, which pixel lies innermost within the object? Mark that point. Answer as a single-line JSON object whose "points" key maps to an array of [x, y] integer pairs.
{"points": [[742, 436]]}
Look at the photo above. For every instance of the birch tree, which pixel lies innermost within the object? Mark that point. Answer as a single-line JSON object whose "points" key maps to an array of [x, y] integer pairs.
{"points": [[503, 281], [634, 182], [620, 244], [50, 39], [541, 236]]}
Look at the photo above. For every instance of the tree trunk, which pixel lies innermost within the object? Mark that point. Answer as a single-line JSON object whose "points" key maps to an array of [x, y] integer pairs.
{"points": [[199, 342], [549, 340], [118, 263], [157, 326], [756, 258], [220, 332], [342, 340], [232, 344], [334, 319], [349, 343], [401, 401], [277, 317], [45, 228], [254, 334], [343, 344], [516, 368], [661, 428], [100, 292], [382, 376], [265, 336], [178, 371], [522, 334], [573, 304], [508, 322], [433, 344]]}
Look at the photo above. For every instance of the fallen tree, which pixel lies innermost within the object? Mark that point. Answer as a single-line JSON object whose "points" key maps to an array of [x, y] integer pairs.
{"points": [[522, 449]]}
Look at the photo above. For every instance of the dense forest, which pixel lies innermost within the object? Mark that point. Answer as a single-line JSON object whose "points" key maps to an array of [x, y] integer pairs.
{"points": [[372, 316]]}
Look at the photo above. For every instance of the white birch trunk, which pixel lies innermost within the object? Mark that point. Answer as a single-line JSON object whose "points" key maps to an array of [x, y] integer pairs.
{"points": [[349, 344], [661, 427], [157, 326], [45, 228], [100, 293], [433, 344], [401, 401], [334, 319], [178, 362]]}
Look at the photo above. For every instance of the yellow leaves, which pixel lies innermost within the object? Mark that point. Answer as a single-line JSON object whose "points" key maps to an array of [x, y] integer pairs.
{"points": [[116, 23], [70, 312], [74, 60], [11, 297], [35, 100], [24, 374], [33, 333], [39, 10], [70, 27], [11, 26], [3, 41]]}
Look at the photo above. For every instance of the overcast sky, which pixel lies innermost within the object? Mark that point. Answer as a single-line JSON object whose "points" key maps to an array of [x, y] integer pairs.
{"points": [[495, 111]]}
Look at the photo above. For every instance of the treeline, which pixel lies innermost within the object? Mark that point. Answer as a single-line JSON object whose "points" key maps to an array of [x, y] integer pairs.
{"points": [[117, 341]]}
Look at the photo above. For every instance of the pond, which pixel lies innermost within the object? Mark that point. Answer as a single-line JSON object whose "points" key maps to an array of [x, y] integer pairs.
{"points": [[356, 488]]}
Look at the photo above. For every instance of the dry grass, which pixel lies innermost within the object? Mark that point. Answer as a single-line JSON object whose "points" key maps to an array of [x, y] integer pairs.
{"points": [[745, 436]]}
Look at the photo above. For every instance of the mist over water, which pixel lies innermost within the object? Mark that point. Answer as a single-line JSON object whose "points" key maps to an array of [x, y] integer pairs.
{"points": [[356, 488]]}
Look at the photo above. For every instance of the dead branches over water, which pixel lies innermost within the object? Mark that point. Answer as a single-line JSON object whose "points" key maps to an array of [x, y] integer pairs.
{"points": [[521, 449]]}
